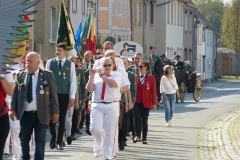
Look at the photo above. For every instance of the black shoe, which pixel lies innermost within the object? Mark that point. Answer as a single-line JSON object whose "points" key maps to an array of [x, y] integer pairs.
{"points": [[74, 137], [88, 132], [121, 145], [60, 147], [144, 142], [136, 139], [78, 131], [69, 140], [63, 144], [52, 143]]}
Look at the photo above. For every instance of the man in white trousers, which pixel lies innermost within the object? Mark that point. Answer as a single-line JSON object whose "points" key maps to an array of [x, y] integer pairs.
{"points": [[125, 85]]}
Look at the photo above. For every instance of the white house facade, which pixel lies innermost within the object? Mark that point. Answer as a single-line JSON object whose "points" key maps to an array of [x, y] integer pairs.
{"points": [[169, 29]]}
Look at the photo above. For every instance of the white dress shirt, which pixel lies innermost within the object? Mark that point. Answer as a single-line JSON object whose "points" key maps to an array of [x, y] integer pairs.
{"points": [[33, 105], [111, 94], [168, 86], [142, 78], [72, 78]]}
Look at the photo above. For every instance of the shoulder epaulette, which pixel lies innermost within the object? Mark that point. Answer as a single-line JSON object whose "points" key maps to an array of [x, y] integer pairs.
{"points": [[46, 70]]}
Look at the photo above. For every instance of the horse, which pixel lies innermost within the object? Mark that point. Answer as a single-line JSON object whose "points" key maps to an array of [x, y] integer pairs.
{"points": [[158, 73]]}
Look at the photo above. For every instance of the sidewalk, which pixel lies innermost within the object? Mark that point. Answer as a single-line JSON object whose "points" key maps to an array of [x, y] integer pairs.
{"points": [[220, 138]]}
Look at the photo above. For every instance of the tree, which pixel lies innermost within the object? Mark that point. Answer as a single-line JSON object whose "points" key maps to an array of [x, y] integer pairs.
{"points": [[230, 30], [212, 10]]}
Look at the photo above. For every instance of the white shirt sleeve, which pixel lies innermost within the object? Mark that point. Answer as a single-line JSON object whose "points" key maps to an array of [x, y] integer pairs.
{"points": [[73, 85], [48, 65], [125, 80], [9, 78], [119, 62], [162, 84], [97, 64]]}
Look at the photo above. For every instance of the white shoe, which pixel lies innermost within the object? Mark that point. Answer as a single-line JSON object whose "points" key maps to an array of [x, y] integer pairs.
{"points": [[167, 124], [170, 123], [97, 154]]}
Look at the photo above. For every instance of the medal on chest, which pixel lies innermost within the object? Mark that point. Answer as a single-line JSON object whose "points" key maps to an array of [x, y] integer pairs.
{"points": [[41, 90]]}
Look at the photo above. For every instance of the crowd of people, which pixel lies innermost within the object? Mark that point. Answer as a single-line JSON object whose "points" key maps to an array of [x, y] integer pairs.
{"points": [[108, 93]]}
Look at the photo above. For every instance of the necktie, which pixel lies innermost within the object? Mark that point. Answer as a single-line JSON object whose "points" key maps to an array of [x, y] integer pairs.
{"points": [[103, 89], [29, 90], [60, 64], [137, 71], [87, 66]]}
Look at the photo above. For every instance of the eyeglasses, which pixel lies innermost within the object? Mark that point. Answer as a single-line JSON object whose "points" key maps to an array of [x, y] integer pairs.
{"points": [[140, 66], [27, 48], [107, 65]]}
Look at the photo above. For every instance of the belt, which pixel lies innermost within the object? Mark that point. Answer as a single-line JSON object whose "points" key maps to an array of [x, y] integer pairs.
{"points": [[106, 102], [33, 111]]}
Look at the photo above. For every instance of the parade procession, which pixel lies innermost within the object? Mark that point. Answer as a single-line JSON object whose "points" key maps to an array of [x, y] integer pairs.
{"points": [[90, 79]]}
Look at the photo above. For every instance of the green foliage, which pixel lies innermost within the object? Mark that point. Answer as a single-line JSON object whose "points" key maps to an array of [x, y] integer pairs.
{"points": [[212, 10], [230, 30]]}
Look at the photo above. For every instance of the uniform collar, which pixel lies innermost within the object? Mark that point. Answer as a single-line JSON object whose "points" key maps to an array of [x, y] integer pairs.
{"points": [[35, 73], [63, 60]]}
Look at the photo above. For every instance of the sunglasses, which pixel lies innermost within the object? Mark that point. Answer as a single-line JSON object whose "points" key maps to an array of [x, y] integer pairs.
{"points": [[107, 65], [98, 53], [140, 66], [27, 48]]}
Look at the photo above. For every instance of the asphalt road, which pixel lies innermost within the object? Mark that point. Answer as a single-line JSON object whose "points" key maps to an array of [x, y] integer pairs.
{"points": [[179, 142]]}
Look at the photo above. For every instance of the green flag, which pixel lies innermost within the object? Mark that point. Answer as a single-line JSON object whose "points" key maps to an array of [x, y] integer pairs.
{"points": [[65, 32]]}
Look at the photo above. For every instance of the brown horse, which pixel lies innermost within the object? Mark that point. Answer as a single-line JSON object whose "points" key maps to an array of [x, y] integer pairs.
{"points": [[158, 73]]}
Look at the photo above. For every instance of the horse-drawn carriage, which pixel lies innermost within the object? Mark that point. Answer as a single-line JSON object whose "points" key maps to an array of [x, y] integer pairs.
{"points": [[188, 81]]}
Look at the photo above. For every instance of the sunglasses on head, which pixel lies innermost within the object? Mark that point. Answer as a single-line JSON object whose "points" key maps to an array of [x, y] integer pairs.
{"points": [[107, 65], [140, 66]]}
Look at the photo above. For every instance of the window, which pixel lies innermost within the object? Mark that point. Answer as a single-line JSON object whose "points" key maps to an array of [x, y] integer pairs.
{"points": [[116, 7], [151, 13], [135, 13], [139, 13], [119, 8], [180, 10], [190, 22], [209, 38], [174, 13], [204, 63], [203, 35], [53, 25], [74, 5], [186, 21], [169, 13], [83, 6]]}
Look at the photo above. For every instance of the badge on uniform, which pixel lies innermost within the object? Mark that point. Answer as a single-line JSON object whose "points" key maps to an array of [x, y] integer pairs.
{"points": [[47, 91], [41, 90], [64, 77], [147, 86]]}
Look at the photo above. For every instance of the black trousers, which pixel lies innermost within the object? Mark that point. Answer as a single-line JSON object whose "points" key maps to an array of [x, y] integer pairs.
{"points": [[4, 130], [141, 114], [122, 131], [28, 123], [87, 116], [74, 121], [63, 100], [131, 125]]}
